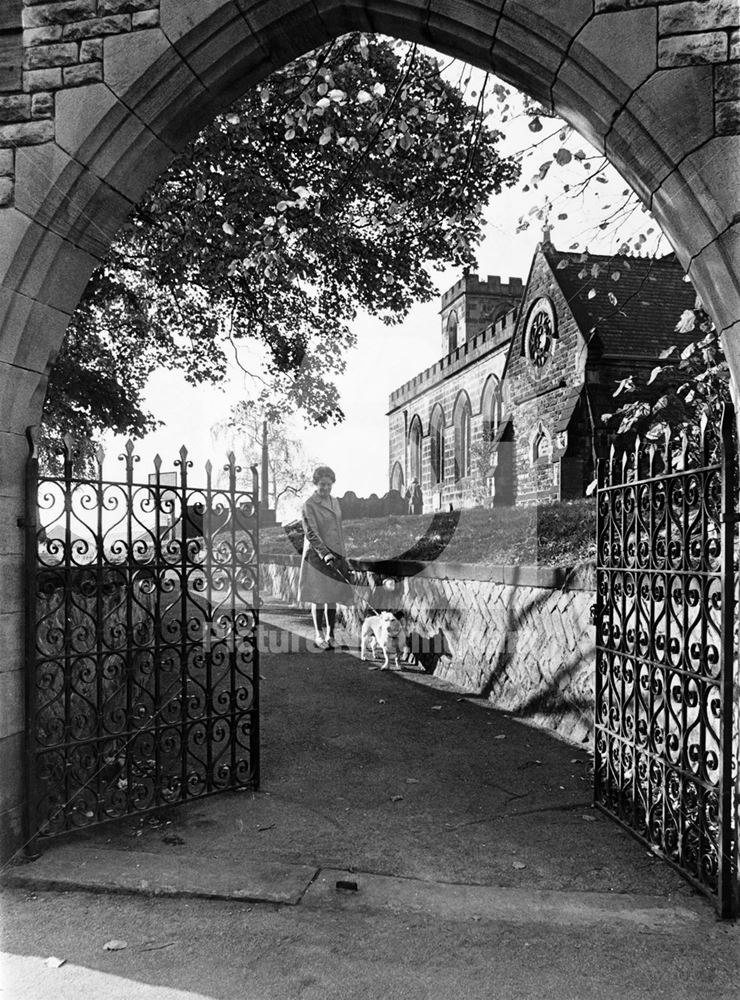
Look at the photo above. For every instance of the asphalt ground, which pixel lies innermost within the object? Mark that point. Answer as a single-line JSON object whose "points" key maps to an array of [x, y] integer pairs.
{"points": [[480, 866]]}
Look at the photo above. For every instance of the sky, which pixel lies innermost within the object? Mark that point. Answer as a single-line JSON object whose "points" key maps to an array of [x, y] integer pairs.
{"points": [[386, 357]]}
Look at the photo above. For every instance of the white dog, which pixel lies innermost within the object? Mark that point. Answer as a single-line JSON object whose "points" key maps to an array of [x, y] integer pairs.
{"points": [[386, 631]]}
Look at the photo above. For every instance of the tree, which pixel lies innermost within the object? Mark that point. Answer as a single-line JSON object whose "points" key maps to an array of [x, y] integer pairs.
{"points": [[289, 468], [688, 385], [339, 184]]}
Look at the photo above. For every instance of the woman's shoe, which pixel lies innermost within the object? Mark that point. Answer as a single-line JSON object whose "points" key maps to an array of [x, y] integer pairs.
{"points": [[320, 642], [329, 642]]}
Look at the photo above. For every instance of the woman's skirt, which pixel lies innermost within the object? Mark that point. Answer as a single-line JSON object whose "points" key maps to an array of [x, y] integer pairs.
{"points": [[319, 583]]}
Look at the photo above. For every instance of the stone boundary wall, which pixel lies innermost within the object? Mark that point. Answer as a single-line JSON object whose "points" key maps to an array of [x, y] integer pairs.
{"points": [[517, 635], [61, 47]]}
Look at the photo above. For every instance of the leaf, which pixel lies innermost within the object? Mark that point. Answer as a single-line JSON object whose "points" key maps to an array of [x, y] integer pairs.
{"points": [[654, 374], [626, 385], [363, 97], [535, 125], [228, 229], [563, 156], [591, 293], [115, 945], [612, 298], [561, 264], [615, 275], [687, 322]]}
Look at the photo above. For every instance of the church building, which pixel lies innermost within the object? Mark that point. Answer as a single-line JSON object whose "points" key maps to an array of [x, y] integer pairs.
{"points": [[512, 411]]}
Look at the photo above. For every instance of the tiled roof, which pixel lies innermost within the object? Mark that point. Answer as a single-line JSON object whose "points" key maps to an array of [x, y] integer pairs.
{"points": [[648, 297]]}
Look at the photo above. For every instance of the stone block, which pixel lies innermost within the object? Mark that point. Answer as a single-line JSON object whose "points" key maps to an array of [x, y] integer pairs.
{"points": [[11, 832], [735, 45], [42, 105], [727, 82], [26, 133], [714, 273], [78, 76], [611, 58], [124, 6], [40, 264], [706, 183], [42, 79], [97, 130], [526, 59], [287, 28], [12, 756], [15, 109], [7, 162], [145, 19], [464, 30], [146, 73], [91, 50], [668, 117], [59, 194], [341, 16], [20, 407], [217, 43], [12, 714], [44, 14], [98, 27], [45, 56], [42, 36], [685, 50], [32, 331], [727, 117], [7, 187], [680, 18]]}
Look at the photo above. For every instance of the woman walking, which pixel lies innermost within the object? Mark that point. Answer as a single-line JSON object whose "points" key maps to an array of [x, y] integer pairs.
{"points": [[322, 581]]}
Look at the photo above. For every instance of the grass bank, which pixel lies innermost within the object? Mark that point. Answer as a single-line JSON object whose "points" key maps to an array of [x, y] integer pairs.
{"points": [[559, 534]]}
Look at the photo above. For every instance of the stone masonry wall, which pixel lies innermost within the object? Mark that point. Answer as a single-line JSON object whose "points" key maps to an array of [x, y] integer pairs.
{"points": [[60, 47], [519, 636]]}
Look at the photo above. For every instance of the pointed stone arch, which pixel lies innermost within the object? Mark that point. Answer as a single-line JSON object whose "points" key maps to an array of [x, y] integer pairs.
{"points": [[437, 445], [655, 94], [415, 449], [490, 407], [462, 424]]}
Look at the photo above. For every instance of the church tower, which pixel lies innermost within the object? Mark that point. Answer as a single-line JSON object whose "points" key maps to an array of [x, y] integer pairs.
{"points": [[474, 303]]}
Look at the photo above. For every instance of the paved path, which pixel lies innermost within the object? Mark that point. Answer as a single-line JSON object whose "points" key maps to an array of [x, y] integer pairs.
{"points": [[480, 867]]}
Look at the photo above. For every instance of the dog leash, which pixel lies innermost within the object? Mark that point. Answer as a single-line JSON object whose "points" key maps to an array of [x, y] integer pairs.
{"points": [[354, 586]]}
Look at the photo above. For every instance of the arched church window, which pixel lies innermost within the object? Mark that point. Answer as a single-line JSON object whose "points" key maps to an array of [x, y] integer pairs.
{"points": [[491, 408], [437, 445], [397, 477], [452, 332], [541, 446], [462, 423], [415, 438]]}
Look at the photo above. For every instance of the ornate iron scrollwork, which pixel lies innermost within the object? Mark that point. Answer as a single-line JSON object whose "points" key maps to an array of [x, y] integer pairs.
{"points": [[665, 650], [142, 640]]}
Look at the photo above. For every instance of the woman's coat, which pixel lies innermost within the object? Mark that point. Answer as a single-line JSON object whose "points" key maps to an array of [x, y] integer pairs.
{"points": [[319, 583]]}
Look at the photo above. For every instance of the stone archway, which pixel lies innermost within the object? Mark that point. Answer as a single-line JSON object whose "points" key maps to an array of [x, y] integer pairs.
{"points": [[93, 107]]}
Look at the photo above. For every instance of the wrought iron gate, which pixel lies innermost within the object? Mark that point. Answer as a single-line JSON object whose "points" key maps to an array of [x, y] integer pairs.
{"points": [[665, 651], [142, 656]]}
